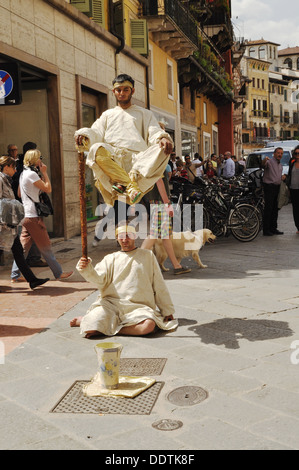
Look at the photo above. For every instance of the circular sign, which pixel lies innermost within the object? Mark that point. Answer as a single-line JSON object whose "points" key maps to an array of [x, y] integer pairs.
{"points": [[6, 84]]}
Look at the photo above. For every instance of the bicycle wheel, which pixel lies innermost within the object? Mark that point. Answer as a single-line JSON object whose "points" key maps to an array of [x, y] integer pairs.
{"points": [[244, 222]]}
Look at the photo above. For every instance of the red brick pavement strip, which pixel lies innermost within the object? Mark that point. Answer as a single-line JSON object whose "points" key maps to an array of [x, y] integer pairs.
{"points": [[25, 312]]}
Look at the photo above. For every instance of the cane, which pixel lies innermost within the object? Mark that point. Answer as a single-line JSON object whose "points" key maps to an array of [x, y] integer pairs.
{"points": [[82, 194]]}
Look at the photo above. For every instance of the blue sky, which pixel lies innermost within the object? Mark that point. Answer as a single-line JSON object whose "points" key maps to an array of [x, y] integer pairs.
{"points": [[273, 20]]}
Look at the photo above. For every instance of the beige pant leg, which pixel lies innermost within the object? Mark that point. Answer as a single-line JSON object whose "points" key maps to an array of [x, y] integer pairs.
{"points": [[116, 174]]}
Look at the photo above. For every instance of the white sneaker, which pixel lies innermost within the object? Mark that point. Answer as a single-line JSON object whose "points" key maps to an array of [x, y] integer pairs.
{"points": [[95, 242]]}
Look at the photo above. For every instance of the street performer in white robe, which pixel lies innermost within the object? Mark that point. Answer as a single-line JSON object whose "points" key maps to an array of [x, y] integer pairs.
{"points": [[128, 150], [133, 299]]}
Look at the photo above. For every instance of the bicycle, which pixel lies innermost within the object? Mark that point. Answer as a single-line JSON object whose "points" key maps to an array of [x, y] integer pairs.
{"points": [[221, 212]]}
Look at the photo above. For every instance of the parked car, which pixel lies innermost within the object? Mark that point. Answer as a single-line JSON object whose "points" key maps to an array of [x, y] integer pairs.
{"points": [[254, 159]]}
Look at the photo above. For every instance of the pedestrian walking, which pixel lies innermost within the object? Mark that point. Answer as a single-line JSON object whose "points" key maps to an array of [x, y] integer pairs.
{"points": [[271, 182]]}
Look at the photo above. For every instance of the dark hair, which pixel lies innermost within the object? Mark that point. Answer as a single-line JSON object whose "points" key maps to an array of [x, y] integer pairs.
{"points": [[123, 77], [296, 148], [29, 146]]}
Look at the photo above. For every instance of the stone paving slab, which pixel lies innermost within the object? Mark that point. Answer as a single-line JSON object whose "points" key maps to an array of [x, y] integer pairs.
{"points": [[237, 321]]}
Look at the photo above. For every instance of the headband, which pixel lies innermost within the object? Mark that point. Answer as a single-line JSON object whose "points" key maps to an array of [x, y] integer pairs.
{"points": [[125, 228], [125, 83]]}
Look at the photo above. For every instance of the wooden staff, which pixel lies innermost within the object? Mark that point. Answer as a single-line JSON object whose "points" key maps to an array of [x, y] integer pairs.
{"points": [[82, 194]]}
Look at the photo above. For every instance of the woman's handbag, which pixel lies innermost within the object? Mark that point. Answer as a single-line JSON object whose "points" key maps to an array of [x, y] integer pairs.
{"points": [[11, 212], [44, 206]]}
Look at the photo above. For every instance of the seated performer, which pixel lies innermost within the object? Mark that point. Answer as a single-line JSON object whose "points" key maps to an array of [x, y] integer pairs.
{"points": [[133, 295], [128, 150]]}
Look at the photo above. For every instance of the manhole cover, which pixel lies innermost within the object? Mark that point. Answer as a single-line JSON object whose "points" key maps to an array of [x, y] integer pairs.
{"points": [[142, 366], [167, 424], [188, 395], [73, 401]]}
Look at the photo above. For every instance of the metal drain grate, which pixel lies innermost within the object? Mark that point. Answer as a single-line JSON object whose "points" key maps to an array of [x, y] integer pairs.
{"points": [[74, 401], [142, 366]]}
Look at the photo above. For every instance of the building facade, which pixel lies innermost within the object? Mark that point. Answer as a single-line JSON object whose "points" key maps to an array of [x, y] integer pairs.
{"points": [[67, 53], [271, 104]]}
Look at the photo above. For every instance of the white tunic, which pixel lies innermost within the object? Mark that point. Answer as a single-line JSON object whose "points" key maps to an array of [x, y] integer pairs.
{"points": [[132, 136], [132, 289]]}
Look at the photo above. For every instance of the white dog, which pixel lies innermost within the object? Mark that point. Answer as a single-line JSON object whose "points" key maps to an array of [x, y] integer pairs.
{"points": [[184, 244]]}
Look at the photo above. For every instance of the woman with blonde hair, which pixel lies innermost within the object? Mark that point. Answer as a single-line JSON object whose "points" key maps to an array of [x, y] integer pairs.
{"points": [[7, 170], [34, 229]]}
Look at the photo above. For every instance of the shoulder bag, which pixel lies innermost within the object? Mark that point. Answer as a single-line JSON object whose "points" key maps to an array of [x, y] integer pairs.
{"points": [[44, 207]]}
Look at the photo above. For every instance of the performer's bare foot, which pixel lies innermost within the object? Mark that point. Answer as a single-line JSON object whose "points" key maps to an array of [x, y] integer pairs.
{"points": [[76, 321]]}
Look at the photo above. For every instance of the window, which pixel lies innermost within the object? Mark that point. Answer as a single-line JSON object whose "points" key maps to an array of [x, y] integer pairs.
{"points": [[192, 99], [253, 82], [289, 63], [93, 9], [298, 63], [263, 84], [285, 92], [286, 117], [271, 112], [254, 107], [205, 117], [181, 94], [170, 79], [258, 83], [262, 52], [251, 52], [139, 36]]}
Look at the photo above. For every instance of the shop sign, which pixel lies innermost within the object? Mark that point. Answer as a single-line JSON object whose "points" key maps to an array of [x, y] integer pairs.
{"points": [[10, 84]]}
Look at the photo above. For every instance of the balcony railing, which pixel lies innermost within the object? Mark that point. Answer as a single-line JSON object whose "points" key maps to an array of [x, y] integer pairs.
{"points": [[176, 12]]}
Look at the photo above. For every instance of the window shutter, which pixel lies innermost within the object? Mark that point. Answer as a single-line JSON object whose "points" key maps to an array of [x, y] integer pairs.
{"points": [[82, 5], [139, 35], [98, 12], [118, 18]]}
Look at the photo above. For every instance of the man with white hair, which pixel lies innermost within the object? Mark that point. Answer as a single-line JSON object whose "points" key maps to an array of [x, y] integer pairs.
{"points": [[128, 149], [133, 297], [229, 166]]}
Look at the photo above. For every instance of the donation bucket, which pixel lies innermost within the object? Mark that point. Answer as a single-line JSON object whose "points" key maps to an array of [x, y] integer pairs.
{"points": [[109, 358]]}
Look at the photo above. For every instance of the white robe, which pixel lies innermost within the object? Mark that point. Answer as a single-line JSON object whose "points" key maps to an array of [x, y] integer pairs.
{"points": [[132, 289], [132, 136]]}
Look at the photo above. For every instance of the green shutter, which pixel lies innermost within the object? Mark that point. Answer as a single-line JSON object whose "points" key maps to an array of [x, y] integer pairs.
{"points": [[98, 12], [139, 36], [118, 17], [82, 5]]}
